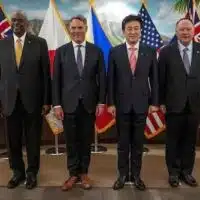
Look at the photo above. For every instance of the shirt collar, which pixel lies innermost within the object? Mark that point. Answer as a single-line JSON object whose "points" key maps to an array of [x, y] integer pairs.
{"points": [[22, 38], [136, 46], [182, 47], [76, 44]]}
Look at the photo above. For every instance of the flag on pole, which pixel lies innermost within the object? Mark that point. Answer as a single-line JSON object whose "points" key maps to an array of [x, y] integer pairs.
{"points": [[5, 27], [97, 36], [155, 122], [54, 31], [193, 15]]}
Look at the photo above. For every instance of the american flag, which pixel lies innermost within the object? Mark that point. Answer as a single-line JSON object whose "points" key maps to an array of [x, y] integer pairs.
{"points": [[150, 35], [155, 123], [5, 28]]}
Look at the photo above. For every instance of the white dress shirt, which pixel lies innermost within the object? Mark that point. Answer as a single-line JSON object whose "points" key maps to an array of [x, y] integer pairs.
{"points": [[83, 47], [22, 39], [136, 46], [189, 52]]}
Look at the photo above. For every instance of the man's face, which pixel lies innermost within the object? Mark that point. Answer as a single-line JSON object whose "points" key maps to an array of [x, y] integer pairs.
{"points": [[185, 32], [77, 30], [19, 24], [132, 32]]}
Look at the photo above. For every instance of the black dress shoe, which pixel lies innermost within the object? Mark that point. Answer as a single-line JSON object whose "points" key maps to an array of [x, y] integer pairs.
{"points": [[189, 180], [31, 181], [173, 181], [16, 180], [119, 183], [139, 184]]}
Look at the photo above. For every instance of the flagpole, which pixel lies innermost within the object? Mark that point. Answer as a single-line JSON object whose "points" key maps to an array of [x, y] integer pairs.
{"points": [[145, 149], [97, 148], [56, 150]]}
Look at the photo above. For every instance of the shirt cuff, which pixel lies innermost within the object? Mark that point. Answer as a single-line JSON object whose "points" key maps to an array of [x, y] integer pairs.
{"points": [[58, 106]]}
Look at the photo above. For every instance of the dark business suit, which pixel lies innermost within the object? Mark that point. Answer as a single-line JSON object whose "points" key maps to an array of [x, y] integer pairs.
{"points": [[131, 95], [24, 90], [180, 93], [78, 94]]}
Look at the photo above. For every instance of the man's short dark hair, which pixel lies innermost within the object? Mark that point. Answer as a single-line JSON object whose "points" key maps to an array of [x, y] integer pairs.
{"points": [[79, 17], [182, 19], [131, 18]]}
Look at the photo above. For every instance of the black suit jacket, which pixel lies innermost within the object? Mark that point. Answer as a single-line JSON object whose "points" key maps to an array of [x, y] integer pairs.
{"points": [[127, 91], [32, 79], [69, 86], [176, 86]]}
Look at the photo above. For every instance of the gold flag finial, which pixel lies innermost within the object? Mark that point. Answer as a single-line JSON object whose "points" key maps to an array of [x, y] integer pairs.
{"points": [[144, 2], [91, 2]]}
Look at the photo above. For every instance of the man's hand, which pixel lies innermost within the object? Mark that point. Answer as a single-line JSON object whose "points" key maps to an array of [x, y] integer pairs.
{"points": [[112, 110], [46, 109], [153, 109], [58, 111], [163, 108], [100, 109]]}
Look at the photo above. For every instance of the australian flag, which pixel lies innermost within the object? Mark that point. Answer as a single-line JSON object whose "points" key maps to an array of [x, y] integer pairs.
{"points": [[150, 35], [192, 14], [5, 28]]}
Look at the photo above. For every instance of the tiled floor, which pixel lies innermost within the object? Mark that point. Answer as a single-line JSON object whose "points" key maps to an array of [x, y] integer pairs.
{"points": [[103, 173], [52, 193]]}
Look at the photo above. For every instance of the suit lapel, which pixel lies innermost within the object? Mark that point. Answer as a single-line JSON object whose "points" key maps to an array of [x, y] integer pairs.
{"points": [[12, 47], [178, 59], [141, 53], [71, 54], [71, 57], [26, 49], [195, 56], [124, 55], [87, 49]]}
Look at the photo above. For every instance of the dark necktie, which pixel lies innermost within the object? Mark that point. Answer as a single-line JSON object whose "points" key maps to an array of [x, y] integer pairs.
{"points": [[186, 60], [79, 60]]}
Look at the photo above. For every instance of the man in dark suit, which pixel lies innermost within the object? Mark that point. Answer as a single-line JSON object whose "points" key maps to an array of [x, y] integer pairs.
{"points": [[25, 94], [132, 66], [78, 92], [179, 77]]}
